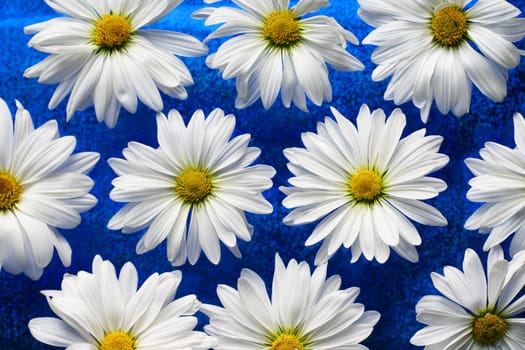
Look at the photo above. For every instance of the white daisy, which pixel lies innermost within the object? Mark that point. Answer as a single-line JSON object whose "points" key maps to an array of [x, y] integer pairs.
{"points": [[305, 312], [365, 184], [193, 189], [43, 186], [499, 184], [477, 310], [275, 49], [98, 311], [99, 55], [436, 49]]}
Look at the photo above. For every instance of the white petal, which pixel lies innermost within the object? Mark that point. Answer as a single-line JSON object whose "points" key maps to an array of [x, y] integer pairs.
{"points": [[53, 331], [419, 211], [487, 76], [499, 50], [12, 244], [271, 77], [177, 43], [6, 135]]}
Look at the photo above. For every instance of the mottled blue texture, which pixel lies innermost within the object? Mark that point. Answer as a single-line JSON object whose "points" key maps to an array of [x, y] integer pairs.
{"points": [[392, 289]]}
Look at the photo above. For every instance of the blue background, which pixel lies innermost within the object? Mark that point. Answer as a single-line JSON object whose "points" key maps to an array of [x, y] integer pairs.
{"points": [[393, 288]]}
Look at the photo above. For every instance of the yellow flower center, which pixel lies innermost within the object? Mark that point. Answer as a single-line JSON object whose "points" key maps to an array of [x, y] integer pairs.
{"points": [[10, 191], [282, 28], [112, 31], [287, 342], [488, 329], [117, 341], [449, 26], [193, 185], [365, 185]]}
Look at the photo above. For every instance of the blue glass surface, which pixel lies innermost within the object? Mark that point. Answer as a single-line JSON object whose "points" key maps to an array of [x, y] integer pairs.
{"points": [[393, 288]]}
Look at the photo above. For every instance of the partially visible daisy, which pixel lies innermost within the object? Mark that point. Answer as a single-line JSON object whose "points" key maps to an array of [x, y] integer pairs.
{"points": [[43, 186], [478, 310], [499, 183], [99, 55], [435, 50], [276, 49], [306, 311], [193, 190], [364, 184], [100, 311]]}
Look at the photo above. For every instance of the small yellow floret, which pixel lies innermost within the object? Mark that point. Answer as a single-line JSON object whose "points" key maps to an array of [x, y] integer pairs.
{"points": [[193, 185], [117, 341], [282, 28], [10, 191], [112, 31], [287, 342], [488, 329], [365, 185], [449, 26]]}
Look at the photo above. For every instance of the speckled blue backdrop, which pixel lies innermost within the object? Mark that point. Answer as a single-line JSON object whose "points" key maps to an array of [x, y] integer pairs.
{"points": [[393, 288]]}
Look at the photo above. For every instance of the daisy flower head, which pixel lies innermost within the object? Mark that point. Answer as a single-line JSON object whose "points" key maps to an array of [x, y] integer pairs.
{"points": [[100, 311], [99, 55], [498, 183], [476, 310], [43, 186], [364, 184], [306, 311], [435, 50], [193, 190], [278, 49]]}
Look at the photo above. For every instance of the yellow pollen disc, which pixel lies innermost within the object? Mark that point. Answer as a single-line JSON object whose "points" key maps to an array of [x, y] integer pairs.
{"points": [[112, 31], [449, 26], [489, 329], [281, 28], [10, 191], [193, 185], [365, 185], [117, 341], [287, 342]]}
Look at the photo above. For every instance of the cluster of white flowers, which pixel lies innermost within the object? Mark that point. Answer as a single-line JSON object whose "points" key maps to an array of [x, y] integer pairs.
{"points": [[364, 184]]}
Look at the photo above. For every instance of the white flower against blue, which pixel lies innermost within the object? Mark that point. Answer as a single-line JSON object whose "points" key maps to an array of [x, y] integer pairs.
{"points": [[477, 309], [99, 55], [100, 311], [276, 49], [43, 187], [193, 190], [306, 311], [435, 50], [365, 184], [499, 184]]}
